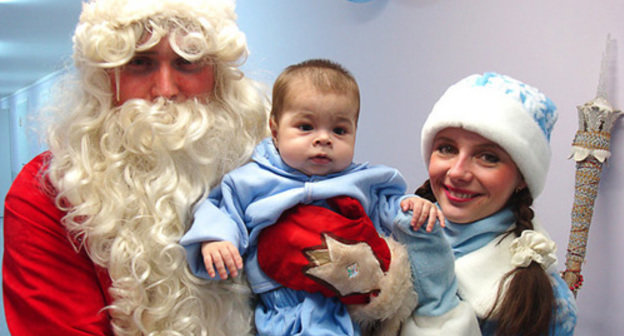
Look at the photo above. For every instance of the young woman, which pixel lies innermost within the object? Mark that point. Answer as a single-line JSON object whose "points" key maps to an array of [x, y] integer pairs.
{"points": [[486, 145]]}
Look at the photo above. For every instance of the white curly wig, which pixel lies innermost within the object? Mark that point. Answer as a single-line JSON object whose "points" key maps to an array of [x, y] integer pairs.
{"points": [[132, 173]]}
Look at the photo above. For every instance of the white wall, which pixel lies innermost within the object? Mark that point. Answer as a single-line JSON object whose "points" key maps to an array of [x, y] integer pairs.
{"points": [[5, 151], [404, 53], [24, 136], [5, 183]]}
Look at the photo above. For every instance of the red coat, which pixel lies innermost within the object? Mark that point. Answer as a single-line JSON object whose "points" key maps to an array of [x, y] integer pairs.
{"points": [[49, 288]]}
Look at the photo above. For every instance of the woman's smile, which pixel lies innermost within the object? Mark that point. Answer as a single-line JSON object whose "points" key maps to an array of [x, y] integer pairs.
{"points": [[459, 195]]}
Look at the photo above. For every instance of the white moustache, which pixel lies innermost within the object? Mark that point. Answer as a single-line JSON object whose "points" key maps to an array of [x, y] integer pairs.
{"points": [[161, 124]]}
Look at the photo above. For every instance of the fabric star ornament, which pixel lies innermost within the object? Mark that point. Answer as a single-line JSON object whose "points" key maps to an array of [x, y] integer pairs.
{"points": [[348, 268]]}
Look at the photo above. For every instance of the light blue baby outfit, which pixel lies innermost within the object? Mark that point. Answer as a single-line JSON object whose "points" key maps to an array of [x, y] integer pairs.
{"points": [[254, 196]]}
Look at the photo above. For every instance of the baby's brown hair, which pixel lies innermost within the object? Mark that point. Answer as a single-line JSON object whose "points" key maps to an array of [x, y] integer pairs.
{"points": [[324, 75]]}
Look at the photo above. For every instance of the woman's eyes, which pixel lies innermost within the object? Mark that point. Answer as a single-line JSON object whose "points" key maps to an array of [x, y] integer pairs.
{"points": [[446, 149], [489, 157], [486, 157]]}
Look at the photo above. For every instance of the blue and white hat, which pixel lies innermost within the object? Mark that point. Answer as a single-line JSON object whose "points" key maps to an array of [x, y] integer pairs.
{"points": [[506, 111]]}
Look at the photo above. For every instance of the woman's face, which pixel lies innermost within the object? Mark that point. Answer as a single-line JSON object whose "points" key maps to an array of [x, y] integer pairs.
{"points": [[471, 176], [160, 72]]}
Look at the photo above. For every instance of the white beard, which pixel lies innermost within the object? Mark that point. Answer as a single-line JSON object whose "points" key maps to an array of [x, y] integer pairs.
{"points": [[133, 190]]}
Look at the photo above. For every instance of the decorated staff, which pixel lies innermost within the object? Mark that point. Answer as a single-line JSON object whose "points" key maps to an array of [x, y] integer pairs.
{"points": [[590, 150]]}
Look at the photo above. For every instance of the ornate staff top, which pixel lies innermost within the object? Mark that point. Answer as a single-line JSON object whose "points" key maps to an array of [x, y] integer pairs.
{"points": [[596, 119]]}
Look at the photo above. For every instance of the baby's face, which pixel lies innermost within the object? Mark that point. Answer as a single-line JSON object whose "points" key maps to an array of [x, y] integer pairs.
{"points": [[315, 133]]}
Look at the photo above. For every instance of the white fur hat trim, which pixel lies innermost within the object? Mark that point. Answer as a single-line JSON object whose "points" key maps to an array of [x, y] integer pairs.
{"points": [[497, 117]]}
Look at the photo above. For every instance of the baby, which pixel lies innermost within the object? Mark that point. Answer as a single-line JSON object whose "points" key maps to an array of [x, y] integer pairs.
{"points": [[313, 226]]}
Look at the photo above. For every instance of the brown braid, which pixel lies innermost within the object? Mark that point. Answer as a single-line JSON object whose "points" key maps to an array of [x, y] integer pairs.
{"points": [[530, 307], [425, 192]]}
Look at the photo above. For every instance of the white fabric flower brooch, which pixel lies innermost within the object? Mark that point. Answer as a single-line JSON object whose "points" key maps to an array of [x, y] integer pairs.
{"points": [[533, 246]]}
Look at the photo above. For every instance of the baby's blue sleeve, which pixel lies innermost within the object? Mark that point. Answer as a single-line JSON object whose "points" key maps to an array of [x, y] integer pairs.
{"points": [[433, 266], [210, 223], [385, 198]]}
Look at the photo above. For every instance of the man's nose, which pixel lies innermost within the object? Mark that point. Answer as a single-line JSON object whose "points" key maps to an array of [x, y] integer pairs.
{"points": [[165, 84]]}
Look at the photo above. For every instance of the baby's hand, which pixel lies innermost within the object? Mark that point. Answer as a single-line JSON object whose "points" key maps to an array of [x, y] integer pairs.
{"points": [[224, 256], [423, 210]]}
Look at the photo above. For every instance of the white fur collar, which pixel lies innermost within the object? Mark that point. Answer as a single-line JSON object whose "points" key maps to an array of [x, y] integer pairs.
{"points": [[479, 273]]}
